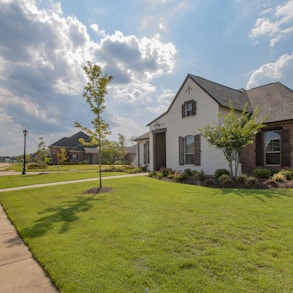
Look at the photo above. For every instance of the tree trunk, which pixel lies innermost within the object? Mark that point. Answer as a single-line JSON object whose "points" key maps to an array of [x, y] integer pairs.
{"points": [[100, 164]]}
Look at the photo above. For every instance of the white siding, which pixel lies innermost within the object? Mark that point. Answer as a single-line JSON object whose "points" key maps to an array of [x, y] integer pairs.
{"points": [[207, 110]]}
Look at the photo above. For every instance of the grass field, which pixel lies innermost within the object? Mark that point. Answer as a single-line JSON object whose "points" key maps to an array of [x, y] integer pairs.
{"points": [[153, 236], [29, 179], [86, 167]]}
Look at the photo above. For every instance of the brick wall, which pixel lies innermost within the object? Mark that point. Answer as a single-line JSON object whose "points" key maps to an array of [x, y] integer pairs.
{"points": [[248, 155]]}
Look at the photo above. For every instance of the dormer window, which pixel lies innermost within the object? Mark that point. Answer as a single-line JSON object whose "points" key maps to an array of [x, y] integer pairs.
{"points": [[189, 108]]}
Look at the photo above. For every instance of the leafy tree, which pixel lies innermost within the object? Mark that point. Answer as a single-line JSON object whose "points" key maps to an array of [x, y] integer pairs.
{"points": [[62, 156], [236, 132], [110, 152], [94, 93], [121, 141], [113, 151], [42, 154]]}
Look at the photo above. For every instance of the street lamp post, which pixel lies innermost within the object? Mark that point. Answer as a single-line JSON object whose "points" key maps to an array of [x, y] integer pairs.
{"points": [[25, 132]]}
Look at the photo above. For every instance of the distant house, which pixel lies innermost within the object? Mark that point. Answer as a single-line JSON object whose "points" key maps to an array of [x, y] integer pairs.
{"points": [[142, 149], [173, 140], [76, 152]]}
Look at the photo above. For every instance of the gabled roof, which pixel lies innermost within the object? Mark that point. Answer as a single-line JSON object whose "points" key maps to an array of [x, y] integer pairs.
{"points": [[70, 142], [223, 94], [274, 100]]}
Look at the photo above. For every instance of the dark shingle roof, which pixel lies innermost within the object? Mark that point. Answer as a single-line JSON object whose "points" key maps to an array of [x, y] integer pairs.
{"points": [[72, 141], [274, 100], [132, 149], [223, 94]]}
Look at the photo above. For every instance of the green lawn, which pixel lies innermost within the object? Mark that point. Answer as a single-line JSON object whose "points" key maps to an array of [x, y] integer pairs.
{"points": [[153, 236], [80, 167], [29, 179]]}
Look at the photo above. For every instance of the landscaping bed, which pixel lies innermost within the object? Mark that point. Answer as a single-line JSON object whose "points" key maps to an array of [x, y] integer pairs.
{"points": [[260, 179]]}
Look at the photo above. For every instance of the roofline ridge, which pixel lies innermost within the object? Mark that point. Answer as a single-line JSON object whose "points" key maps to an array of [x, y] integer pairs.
{"points": [[223, 85]]}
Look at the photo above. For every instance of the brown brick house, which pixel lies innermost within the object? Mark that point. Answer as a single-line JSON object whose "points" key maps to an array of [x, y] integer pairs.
{"points": [[75, 151], [273, 145]]}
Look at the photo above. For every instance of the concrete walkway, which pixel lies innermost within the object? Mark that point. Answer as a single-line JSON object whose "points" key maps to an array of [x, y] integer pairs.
{"points": [[19, 271]]}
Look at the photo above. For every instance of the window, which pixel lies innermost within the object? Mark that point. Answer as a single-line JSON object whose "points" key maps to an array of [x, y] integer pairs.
{"points": [[73, 157], [272, 141], [189, 149], [273, 147], [146, 153], [189, 108]]}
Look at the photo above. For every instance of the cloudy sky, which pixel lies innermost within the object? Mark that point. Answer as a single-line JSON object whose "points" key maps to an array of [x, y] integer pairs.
{"points": [[148, 46]]}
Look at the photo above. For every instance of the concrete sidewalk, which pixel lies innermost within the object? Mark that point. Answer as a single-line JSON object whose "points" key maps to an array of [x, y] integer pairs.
{"points": [[19, 271], [68, 182]]}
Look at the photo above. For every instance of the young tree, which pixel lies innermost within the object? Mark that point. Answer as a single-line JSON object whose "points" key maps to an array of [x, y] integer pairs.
{"points": [[62, 156], [94, 93], [121, 142], [42, 153], [236, 132]]}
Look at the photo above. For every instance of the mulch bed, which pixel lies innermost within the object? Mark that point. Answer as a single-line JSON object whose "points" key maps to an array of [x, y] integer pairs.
{"points": [[213, 182], [97, 190]]}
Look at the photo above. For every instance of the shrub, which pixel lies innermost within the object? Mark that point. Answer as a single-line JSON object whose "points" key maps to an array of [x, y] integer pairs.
{"points": [[151, 174], [159, 175], [223, 177], [199, 175], [188, 172], [251, 180], [166, 171], [194, 172], [271, 182], [33, 166], [262, 173], [38, 165], [242, 178], [220, 172], [279, 177], [287, 173], [179, 176], [209, 182], [133, 170], [226, 180], [144, 168]]}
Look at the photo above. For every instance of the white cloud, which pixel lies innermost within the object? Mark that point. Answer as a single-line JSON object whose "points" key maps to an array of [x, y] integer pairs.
{"points": [[126, 126], [276, 23], [272, 72], [159, 13], [41, 57], [129, 58]]}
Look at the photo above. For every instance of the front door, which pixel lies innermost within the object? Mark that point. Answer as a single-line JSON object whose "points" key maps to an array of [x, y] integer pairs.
{"points": [[159, 150]]}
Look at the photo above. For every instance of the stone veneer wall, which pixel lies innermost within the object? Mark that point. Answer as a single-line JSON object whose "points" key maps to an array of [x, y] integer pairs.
{"points": [[248, 155]]}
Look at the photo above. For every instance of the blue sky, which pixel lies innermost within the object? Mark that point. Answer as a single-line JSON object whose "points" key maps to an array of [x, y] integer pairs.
{"points": [[148, 46]]}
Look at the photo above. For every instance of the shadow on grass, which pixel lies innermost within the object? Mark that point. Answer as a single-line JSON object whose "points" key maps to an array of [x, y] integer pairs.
{"points": [[65, 214], [259, 194]]}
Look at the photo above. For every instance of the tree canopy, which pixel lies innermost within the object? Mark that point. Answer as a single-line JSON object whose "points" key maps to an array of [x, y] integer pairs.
{"points": [[233, 135], [94, 93]]}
